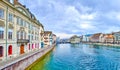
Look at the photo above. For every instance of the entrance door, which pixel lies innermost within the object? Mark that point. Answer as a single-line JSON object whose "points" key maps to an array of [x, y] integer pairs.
{"points": [[10, 50], [22, 49], [1, 51], [42, 44]]}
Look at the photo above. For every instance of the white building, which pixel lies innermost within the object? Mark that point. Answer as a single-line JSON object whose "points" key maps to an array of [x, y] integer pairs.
{"points": [[19, 30]]}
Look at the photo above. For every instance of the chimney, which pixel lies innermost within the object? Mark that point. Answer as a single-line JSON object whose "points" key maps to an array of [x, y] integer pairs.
{"points": [[16, 2]]}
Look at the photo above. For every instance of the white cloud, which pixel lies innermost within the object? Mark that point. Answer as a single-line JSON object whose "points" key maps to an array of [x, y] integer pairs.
{"points": [[112, 29], [80, 16], [88, 16], [86, 26], [64, 35]]}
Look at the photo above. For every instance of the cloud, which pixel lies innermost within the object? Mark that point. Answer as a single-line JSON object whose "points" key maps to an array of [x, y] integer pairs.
{"points": [[69, 17], [64, 35]]}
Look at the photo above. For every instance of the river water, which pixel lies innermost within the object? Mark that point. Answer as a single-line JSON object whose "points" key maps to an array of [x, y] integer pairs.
{"points": [[80, 57]]}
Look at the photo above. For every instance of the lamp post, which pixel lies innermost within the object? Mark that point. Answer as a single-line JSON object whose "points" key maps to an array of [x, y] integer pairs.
{"points": [[6, 31]]}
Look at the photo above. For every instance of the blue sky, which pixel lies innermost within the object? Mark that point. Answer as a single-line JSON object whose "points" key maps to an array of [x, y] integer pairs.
{"points": [[69, 17]]}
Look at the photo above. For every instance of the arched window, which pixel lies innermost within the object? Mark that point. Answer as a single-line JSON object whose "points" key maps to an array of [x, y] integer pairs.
{"points": [[1, 51], [10, 50]]}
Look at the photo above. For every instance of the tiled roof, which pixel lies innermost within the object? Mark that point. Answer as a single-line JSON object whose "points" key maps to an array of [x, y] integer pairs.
{"points": [[96, 36], [109, 36]]}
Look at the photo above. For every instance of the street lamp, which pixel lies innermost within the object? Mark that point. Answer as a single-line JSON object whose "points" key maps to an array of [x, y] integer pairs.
{"points": [[6, 31]]}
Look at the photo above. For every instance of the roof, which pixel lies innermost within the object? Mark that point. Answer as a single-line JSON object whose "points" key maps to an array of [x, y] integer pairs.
{"points": [[96, 36], [88, 35], [47, 32], [75, 36], [116, 33], [54, 35], [109, 36]]}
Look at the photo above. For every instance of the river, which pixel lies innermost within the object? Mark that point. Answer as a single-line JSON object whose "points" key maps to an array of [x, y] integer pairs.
{"points": [[80, 57]]}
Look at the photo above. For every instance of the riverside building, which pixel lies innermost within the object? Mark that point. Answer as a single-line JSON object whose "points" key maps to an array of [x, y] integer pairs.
{"points": [[47, 38], [19, 30]]}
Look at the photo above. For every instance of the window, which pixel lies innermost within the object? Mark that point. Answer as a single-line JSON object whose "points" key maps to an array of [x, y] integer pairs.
{"points": [[32, 37], [1, 33], [18, 35], [1, 51], [29, 37], [10, 17], [29, 46], [26, 24], [1, 13], [21, 35], [10, 34], [11, 1], [17, 20], [29, 25], [24, 35], [21, 22]]}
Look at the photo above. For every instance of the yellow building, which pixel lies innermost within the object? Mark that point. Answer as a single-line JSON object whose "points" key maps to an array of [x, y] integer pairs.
{"points": [[19, 30]]}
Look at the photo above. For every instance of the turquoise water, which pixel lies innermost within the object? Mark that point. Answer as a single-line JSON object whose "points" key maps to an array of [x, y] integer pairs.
{"points": [[81, 57]]}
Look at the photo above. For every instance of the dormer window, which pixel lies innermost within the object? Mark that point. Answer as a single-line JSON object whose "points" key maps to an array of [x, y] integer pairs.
{"points": [[11, 1]]}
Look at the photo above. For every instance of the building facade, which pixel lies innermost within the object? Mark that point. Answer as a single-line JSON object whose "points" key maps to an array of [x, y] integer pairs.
{"points": [[116, 37], [47, 38], [96, 38], [19, 30], [109, 38], [86, 38], [54, 38], [75, 39]]}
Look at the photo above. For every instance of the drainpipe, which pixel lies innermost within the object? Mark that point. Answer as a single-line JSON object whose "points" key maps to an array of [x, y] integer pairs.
{"points": [[6, 32]]}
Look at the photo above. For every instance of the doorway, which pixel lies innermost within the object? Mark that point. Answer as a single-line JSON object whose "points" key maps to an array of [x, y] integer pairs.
{"points": [[22, 49]]}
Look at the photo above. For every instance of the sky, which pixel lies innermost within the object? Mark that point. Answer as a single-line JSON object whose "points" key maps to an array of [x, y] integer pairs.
{"points": [[76, 17]]}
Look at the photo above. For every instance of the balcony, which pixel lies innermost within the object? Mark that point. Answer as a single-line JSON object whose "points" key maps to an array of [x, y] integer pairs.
{"points": [[23, 41]]}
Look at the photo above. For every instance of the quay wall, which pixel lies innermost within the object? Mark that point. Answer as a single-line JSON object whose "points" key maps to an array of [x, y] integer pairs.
{"points": [[24, 61], [104, 44]]}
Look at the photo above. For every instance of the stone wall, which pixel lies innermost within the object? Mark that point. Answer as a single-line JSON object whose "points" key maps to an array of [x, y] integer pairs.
{"points": [[24, 61]]}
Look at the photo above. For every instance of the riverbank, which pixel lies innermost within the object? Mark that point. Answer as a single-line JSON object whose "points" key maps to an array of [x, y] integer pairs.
{"points": [[23, 61], [39, 59], [104, 44]]}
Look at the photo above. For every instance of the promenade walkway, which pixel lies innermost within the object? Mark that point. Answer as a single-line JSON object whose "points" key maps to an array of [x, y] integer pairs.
{"points": [[9, 62]]}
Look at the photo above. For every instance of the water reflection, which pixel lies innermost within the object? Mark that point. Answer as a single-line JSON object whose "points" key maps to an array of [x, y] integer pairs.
{"points": [[41, 64], [75, 45], [81, 57]]}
